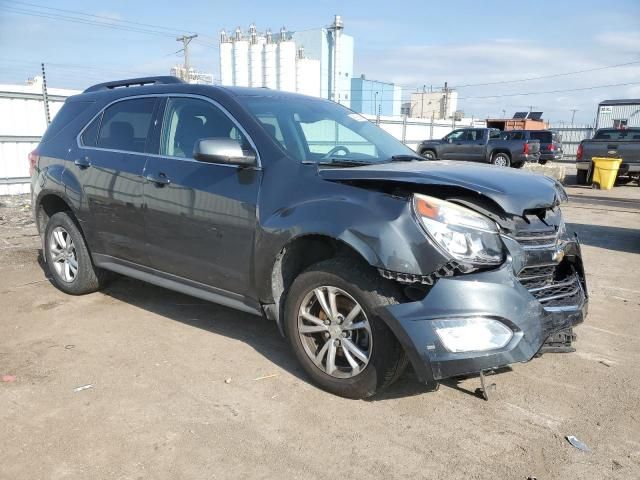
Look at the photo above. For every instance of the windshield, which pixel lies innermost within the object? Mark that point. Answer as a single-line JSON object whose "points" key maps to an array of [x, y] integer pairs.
{"points": [[321, 131]]}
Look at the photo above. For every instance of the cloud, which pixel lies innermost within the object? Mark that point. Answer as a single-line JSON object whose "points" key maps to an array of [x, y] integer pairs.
{"points": [[620, 41]]}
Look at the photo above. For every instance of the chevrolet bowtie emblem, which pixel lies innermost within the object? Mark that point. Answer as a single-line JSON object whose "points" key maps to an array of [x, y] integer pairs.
{"points": [[558, 255]]}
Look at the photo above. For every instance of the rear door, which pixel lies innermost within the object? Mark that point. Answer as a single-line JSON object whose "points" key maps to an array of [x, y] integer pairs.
{"points": [[109, 163], [200, 217], [476, 145]]}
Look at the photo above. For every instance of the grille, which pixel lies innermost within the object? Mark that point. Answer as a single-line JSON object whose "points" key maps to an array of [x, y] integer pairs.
{"points": [[539, 276], [551, 291], [537, 239]]}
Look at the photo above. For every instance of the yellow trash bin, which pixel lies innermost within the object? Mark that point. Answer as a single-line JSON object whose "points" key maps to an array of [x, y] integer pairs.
{"points": [[605, 171]]}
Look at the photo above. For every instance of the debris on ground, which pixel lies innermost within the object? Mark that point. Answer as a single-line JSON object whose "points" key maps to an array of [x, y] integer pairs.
{"points": [[227, 381], [9, 378], [83, 387], [577, 443], [273, 375]]}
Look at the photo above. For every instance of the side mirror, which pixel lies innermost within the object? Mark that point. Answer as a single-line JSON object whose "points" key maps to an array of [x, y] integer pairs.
{"points": [[222, 150]]}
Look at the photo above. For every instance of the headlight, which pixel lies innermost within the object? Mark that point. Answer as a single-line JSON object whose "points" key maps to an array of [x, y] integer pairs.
{"points": [[464, 234], [472, 334]]}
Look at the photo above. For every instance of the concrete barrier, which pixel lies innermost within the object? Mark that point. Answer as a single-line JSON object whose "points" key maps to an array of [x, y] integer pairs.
{"points": [[551, 169]]}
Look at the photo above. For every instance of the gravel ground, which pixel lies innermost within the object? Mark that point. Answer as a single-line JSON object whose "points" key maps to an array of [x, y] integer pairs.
{"points": [[181, 388]]}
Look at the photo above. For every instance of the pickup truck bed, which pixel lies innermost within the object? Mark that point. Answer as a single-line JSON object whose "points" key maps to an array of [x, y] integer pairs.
{"points": [[612, 143]]}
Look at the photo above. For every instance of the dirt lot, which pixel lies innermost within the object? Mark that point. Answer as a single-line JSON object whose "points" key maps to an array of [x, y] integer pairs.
{"points": [[160, 407]]}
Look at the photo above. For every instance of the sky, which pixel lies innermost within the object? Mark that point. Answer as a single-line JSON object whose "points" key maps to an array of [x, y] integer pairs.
{"points": [[414, 43]]}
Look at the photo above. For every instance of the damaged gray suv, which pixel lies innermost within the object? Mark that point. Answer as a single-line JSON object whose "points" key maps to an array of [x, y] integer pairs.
{"points": [[299, 210]]}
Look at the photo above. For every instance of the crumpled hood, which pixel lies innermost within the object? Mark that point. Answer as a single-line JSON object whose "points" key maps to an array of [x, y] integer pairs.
{"points": [[513, 190]]}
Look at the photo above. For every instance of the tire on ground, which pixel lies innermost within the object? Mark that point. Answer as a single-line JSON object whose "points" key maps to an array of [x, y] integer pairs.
{"points": [[388, 359], [88, 277]]}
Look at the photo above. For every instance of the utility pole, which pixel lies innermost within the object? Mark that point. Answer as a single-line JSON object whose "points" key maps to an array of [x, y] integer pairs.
{"points": [[186, 40], [573, 114], [422, 101], [446, 101], [45, 96], [504, 113]]}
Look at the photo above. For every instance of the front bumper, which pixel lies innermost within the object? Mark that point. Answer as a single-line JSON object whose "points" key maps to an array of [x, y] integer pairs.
{"points": [[496, 294]]}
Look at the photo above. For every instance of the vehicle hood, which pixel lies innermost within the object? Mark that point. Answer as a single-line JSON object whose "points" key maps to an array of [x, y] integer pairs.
{"points": [[514, 191]]}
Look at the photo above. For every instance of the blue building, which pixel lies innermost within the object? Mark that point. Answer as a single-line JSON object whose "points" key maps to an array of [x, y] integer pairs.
{"points": [[373, 97]]}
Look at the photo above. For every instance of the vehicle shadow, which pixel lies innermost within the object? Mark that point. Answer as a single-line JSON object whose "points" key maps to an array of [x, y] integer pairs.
{"points": [[262, 335], [611, 238]]}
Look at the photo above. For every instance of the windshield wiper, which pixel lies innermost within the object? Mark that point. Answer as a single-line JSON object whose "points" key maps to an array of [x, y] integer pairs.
{"points": [[406, 158], [343, 162]]}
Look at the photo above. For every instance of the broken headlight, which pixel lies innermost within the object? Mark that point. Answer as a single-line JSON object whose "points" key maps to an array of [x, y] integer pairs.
{"points": [[467, 236]]}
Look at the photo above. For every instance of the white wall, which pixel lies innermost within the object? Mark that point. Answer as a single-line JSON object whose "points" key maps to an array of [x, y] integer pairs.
{"points": [[22, 123]]}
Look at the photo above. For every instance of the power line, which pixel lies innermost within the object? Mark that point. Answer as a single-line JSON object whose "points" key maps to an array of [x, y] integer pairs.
{"points": [[553, 75], [171, 30]]}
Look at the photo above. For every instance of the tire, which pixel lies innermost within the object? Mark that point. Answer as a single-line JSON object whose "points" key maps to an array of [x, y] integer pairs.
{"points": [[543, 162], [501, 159], [64, 247], [429, 155], [385, 357], [581, 177]]}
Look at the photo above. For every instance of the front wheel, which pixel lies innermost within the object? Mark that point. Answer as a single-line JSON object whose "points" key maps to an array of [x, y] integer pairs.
{"points": [[543, 162], [333, 329], [429, 155], [501, 160]]}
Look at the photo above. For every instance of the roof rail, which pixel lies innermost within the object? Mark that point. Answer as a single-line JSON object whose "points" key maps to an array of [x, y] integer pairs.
{"points": [[138, 82]]}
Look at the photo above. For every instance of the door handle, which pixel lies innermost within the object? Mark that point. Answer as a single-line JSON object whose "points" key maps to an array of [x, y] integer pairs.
{"points": [[160, 179], [83, 162]]}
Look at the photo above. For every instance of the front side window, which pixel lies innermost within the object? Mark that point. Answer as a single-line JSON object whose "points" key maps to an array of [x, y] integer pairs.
{"points": [[126, 125], [188, 120], [456, 135], [313, 130]]}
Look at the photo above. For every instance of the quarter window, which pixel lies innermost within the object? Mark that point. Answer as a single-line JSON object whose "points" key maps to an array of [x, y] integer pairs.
{"points": [[90, 134], [187, 120], [126, 125]]}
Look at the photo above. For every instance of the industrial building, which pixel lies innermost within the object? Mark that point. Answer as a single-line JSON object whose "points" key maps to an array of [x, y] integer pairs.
{"points": [[618, 114], [437, 105], [375, 98], [520, 121], [192, 76], [313, 62]]}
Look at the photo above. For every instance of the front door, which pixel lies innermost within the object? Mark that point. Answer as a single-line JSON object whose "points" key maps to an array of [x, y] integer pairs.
{"points": [[452, 148], [109, 164], [200, 217]]}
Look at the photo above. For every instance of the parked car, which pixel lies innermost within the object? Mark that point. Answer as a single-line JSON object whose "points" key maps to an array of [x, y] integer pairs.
{"points": [[299, 210], [614, 143], [481, 145], [550, 146]]}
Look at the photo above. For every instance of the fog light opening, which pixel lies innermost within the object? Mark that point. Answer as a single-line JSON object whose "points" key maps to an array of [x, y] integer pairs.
{"points": [[472, 334]]}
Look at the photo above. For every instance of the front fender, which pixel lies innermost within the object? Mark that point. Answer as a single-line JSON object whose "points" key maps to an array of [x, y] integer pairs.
{"points": [[380, 227]]}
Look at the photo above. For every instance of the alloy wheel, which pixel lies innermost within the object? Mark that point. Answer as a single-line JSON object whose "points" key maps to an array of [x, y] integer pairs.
{"points": [[335, 332], [63, 254]]}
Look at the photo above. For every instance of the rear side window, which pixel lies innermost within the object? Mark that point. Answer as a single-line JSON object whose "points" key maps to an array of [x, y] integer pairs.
{"points": [[68, 113], [544, 137], [126, 125], [90, 135], [613, 134], [516, 136]]}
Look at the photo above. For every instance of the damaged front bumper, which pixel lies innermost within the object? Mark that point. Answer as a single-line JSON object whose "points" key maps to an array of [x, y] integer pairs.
{"points": [[498, 295]]}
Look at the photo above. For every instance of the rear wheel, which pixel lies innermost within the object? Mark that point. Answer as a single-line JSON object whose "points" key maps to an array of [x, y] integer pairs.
{"points": [[581, 177], [501, 160], [68, 258], [333, 329]]}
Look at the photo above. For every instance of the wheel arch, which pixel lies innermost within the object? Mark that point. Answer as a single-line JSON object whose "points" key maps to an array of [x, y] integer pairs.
{"points": [[301, 252], [48, 204]]}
